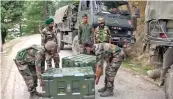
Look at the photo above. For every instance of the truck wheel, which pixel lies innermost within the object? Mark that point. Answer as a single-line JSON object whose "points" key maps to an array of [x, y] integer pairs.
{"points": [[60, 42], [168, 86], [75, 46]]}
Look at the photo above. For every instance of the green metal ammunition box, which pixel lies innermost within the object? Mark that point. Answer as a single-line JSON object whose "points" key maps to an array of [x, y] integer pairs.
{"points": [[69, 83], [80, 60]]}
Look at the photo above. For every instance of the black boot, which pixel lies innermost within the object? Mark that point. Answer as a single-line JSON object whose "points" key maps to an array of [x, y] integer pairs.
{"points": [[35, 93], [102, 89], [107, 93]]}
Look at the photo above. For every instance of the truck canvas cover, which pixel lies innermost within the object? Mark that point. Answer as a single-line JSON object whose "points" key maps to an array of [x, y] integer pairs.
{"points": [[59, 14], [159, 10]]}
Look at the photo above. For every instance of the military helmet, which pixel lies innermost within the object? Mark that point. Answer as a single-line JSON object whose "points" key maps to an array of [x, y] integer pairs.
{"points": [[101, 20], [50, 45]]}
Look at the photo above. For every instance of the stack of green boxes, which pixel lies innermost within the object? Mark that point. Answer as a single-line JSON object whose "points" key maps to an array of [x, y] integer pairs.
{"points": [[75, 80], [80, 60], [69, 83]]}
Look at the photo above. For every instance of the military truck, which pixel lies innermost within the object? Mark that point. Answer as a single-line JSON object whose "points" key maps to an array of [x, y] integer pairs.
{"points": [[68, 18], [159, 37]]}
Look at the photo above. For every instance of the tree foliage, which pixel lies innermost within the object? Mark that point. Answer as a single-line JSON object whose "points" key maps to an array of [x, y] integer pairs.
{"points": [[11, 13], [65, 2], [36, 13]]}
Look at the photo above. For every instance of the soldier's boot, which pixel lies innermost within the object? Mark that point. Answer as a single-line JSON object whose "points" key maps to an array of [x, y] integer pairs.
{"points": [[107, 93], [35, 93], [102, 89]]}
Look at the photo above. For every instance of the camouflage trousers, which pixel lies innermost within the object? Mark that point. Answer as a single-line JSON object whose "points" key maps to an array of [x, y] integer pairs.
{"points": [[113, 64], [29, 75]]}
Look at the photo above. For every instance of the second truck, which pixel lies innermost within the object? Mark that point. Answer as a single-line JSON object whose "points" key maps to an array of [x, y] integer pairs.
{"points": [[67, 19]]}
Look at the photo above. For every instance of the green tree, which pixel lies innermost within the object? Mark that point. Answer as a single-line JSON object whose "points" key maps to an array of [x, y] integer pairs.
{"points": [[11, 13], [36, 13]]}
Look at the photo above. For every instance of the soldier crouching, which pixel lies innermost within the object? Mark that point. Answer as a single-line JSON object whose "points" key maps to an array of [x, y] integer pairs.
{"points": [[114, 56], [29, 61]]}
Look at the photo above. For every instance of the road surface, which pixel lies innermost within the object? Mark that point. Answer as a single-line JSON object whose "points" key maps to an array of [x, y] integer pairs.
{"points": [[127, 85]]}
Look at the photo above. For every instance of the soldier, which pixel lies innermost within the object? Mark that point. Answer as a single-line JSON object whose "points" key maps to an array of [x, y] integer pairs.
{"points": [[49, 34], [114, 56], [28, 62], [85, 32], [102, 33]]}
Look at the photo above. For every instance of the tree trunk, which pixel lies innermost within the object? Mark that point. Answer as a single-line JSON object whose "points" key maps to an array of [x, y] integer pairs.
{"points": [[20, 27], [45, 10], [1, 43]]}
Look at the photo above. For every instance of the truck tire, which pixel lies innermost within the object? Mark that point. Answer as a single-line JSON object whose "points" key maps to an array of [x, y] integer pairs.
{"points": [[75, 46], [60, 42], [168, 86]]}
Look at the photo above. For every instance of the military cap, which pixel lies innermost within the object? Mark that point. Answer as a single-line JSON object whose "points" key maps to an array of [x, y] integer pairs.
{"points": [[101, 20], [49, 20], [50, 45]]}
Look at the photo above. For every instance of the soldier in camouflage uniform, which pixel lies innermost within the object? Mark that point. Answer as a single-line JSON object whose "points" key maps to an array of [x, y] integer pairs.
{"points": [[85, 32], [114, 56], [49, 34], [102, 33], [28, 62]]}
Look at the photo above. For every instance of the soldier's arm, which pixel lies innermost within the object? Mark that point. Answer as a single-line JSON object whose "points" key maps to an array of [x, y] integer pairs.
{"points": [[49, 59], [43, 38], [95, 36], [100, 56], [80, 34], [109, 35], [38, 62]]}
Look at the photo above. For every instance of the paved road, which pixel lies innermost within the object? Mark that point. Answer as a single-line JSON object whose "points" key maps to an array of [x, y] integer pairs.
{"points": [[127, 85]]}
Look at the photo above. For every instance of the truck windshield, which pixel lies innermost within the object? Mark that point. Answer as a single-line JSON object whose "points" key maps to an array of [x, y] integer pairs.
{"points": [[114, 7]]}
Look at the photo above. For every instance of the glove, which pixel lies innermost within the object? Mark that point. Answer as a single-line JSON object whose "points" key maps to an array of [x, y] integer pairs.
{"points": [[99, 72]]}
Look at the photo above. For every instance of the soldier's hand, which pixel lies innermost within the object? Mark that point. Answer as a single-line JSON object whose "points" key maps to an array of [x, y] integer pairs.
{"points": [[41, 82]]}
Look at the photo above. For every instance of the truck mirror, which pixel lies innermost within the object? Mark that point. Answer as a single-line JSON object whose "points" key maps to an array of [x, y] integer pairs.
{"points": [[134, 22]]}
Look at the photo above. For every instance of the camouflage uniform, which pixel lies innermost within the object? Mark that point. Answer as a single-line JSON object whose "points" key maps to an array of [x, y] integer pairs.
{"points": [[114, 56], [85, 34], [102, 34], [46, 36], [28, 61]]}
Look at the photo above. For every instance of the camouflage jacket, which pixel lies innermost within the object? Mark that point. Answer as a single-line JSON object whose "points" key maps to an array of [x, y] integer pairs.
{"points": [[33, 55], [47, 35], [102, 35], [85, 33], [105, 51]]}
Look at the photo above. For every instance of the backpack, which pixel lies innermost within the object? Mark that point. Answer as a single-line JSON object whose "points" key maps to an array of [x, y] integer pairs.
{"points": [[22, 53]]}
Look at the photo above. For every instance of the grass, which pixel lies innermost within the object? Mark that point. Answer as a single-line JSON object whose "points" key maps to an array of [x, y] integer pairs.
{"points": [[138, 68]]}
